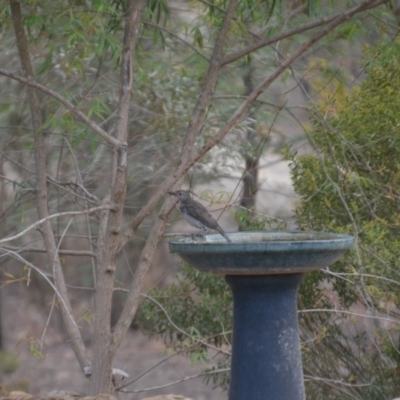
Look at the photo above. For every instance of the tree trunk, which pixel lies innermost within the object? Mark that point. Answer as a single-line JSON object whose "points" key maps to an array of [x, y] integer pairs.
{"points": [[71, 326], [110, 238], [251, 156]]}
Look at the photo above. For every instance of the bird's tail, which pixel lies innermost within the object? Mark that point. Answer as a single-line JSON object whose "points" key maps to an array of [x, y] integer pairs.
{"points": [[220, 230]]}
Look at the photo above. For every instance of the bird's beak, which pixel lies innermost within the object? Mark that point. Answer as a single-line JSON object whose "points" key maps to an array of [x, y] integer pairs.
{"points": [[172, 193]]}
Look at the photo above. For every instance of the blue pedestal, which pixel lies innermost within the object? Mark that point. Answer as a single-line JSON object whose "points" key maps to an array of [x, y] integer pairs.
{"points": [[264, 270], [266, 358]]}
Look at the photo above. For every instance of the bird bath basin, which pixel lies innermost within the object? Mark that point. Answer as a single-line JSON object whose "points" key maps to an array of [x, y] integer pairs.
{"points": [[264, 270], [262, 253]]}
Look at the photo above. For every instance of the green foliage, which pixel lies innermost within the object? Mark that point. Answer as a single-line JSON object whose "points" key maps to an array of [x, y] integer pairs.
{"points": [[191, 315], [80, 31], [8, 362], [195, 303], [158, 10], [351, 185], [249, 222]]}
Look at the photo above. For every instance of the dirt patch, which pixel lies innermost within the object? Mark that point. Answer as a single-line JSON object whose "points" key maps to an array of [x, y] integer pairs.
{"points": [[60, 371]]}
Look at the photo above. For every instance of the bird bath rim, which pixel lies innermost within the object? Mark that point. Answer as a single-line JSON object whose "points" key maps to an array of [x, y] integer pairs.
{"points": [[262, 252], [260, 241]]}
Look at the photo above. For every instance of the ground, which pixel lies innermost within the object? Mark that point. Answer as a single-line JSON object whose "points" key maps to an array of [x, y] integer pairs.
{"points": [[59, 370]]}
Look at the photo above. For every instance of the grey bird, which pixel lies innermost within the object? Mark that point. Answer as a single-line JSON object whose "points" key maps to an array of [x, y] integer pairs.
{"points": [[196, 214]]}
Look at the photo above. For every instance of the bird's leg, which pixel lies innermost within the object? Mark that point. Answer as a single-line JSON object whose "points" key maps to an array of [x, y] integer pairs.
{"points": [[199, 235], [196, 236]]}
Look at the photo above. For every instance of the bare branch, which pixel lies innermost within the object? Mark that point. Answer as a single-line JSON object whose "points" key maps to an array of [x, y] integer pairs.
{"points": [[53, 303], [86, 200], [240, 112], [110, 222], [186, 378], [46, 219], [157, 230], [178, 329], [63, 252], [149, 369], [352, 313], [177, 37], [211, 5], [47, 279], [41, 187], [88, 196], [295, 31], [146, 257], [68, 105], [194, 126], [205, 98]]}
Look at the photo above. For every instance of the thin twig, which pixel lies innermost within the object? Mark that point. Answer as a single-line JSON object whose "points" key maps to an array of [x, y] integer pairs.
{"points": [[80, 184], [193, 130], [186, 378], [177, 328], [149, 369], [177, 37], [63, 252], [111, 222], [68, 105], [40, 154], [353, 314], [45, 276], [356, 274], [61, 214], [335, 381], [53, 303], [295, 31]]}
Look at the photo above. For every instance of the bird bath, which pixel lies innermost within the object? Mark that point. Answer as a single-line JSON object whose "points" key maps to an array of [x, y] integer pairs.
{"points": [[264, 270]]}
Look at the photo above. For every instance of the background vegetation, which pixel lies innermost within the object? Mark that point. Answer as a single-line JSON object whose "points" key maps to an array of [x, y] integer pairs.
{"points": [[349, 184], [107, 105]]}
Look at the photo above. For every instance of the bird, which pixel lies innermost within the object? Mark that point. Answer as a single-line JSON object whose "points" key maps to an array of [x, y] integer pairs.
{"points": [[196, 214]]}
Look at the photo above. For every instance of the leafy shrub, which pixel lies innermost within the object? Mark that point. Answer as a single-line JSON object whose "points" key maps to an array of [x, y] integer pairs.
{"points": [[351, 185]]}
